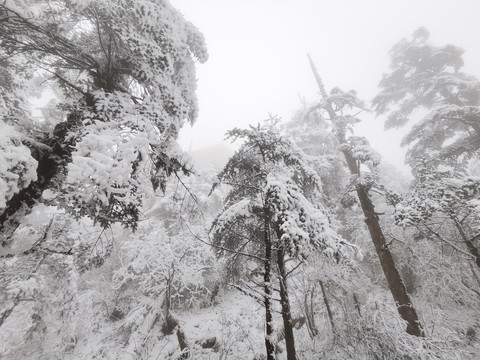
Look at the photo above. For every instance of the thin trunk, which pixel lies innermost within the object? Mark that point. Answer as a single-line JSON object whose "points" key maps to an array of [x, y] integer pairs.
{"points": [[468, 241], [312, 328], [395, 283], [182, 342], [357, 304], [4, 316], [474, 274], [474, 251], [18, 297], [269, 334], [285, 302], [169, 322], [17, 300], [327, 305]]}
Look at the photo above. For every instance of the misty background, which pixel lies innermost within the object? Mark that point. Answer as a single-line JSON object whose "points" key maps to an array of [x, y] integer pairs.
{"points": [[258, 59]]}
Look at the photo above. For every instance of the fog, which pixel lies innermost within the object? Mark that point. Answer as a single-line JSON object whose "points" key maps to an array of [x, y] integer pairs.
{"points": [[258, 63]]}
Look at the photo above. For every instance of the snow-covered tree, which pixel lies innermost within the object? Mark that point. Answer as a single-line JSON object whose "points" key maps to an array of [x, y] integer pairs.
{"points": [[444, 206], [425, 85], [72, 283], [17, 167], [426, 77], [126, 69], [40, 285], [272, 213], [441, 204]]}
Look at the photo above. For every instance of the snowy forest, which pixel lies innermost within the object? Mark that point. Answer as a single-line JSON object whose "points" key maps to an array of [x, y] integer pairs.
{"points": [[304, 244]]}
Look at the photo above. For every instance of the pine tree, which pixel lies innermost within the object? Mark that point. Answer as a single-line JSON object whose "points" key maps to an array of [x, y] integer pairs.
{"points": [[443, 142], [426, 77], [269, 215]]}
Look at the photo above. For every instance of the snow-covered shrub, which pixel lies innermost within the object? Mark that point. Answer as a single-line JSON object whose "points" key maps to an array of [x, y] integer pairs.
{"points": [[17, 166]]}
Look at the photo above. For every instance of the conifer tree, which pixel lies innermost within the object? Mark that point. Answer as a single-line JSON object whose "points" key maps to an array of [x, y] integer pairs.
{"points": [[442, 143], [426, 77], [269, 216]]}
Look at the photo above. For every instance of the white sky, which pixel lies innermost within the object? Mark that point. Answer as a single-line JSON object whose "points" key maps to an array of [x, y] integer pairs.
{"points": [[258, 62]]}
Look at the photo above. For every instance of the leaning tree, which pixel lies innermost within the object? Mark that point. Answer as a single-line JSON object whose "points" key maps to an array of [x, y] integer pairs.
{"points": [[341, 109]]}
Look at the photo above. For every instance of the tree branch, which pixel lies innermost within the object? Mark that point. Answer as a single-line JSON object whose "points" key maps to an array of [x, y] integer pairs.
{"points": [[224, 248]]}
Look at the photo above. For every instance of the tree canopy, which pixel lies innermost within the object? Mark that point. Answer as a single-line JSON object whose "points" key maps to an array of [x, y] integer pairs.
{"points": [[127, 77], [426, 77]]}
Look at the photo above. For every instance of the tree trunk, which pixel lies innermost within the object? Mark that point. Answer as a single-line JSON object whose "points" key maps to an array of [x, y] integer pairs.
{"points": [[269, 335], [309, 314], [51, 163], [285, 303], [469, 242], [4, 316], [182, 342], [327, 305], [357, 304], [474, 251], [395, 282]]}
